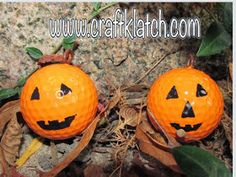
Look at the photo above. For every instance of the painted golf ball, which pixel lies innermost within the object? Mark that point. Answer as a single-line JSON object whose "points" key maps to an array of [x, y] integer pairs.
{"points": [[185, 99], [59, 101]]}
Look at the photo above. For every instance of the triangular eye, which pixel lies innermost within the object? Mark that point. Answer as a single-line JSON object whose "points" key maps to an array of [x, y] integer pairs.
{"points": [[35, 94], [172, 93], [200, 91], [65, 90]]}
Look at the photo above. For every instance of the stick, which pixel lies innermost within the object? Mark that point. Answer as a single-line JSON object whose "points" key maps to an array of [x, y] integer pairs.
{"points": [[157, 62]]}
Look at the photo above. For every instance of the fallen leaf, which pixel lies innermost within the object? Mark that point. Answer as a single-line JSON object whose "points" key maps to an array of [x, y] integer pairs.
{"points": [[11, 141], [15, 173], [171, 140], [4, 165], [7, 112], [197, 162], [136, 88], [148, 147], [115, 99], [93, 171], [150, 167], [134, 101], [88, 134], [155, 137], [34, 146], [129, 114], [216, 40]]}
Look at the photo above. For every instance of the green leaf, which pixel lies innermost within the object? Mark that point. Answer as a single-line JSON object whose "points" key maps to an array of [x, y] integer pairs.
{"points": [[7, 93], [216, 40], [96, 6], [21, 81], [19, 90], [69, 39], [67, 46], [196, 162], [228, 16], [68, 42], [34, 53]]}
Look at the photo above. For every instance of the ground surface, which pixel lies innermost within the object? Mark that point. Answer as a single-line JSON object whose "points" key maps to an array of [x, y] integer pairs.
{"points": [[120, 61]]}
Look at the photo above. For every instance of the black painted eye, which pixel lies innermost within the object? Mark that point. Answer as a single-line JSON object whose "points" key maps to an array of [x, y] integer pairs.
{"points": [[35, 94], [172, 93], [65, 90], [200, 91]]}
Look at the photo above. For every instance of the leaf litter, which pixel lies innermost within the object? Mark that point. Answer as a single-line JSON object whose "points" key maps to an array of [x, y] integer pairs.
{"points": [[11, 136]]}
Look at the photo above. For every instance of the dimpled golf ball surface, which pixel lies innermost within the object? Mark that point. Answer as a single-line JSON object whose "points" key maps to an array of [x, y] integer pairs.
{"points": [[185, 98], [59, 101]]}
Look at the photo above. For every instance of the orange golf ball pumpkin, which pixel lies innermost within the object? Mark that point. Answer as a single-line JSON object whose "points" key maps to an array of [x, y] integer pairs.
{"points": [[59, 101], [187, 99]]}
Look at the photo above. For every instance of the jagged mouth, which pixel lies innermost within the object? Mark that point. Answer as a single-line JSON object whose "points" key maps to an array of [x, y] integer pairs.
{"points": [[187, 127], [55, 124]]}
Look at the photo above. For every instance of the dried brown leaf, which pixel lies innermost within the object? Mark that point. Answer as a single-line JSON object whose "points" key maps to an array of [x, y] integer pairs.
{"points": [[115, 99], [136, 88], [15, 173], [94, 171], [171, 140], [148, 147], [7, 112], [11, 141], [134, 101], [130, 115], [88, 133], [4, 165], [150, 167], [155, 137]]}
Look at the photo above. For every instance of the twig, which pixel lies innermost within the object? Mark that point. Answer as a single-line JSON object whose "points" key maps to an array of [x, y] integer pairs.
{"points": [[58, 47], [117, 168], [126, 149], [53, 150], [122, 162], [100, 10], [155, 65]]}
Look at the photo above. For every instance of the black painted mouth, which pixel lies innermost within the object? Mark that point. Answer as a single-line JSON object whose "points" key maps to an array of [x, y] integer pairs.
{"points": [[187, 128], [55, 125]]}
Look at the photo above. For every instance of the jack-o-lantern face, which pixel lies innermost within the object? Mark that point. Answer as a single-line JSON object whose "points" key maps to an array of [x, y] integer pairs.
{"points": [[59, 101], [186, 99]]}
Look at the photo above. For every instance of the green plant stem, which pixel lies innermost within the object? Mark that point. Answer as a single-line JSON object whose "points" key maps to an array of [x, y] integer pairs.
{"points": [[58, 47], [101, 9]]}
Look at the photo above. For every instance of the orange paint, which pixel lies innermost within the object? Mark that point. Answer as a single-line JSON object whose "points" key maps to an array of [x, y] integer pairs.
{"points": [[188, 99], [59, 101]]}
